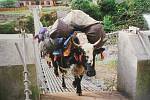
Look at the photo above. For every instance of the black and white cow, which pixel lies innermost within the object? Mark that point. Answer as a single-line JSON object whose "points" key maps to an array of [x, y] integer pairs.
{"points": [[81, 59]]}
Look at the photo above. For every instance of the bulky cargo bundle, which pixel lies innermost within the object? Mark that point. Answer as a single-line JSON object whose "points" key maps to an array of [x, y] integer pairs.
{"points": [[59, 29], [77, 20]]}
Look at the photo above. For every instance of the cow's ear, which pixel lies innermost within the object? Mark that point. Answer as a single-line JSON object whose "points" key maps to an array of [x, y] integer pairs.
{"points": [[98, 50]]}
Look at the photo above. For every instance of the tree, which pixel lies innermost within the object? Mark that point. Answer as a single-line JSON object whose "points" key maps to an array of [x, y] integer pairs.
{"points": [[140, 6], [137, 8], [83, 5], [107, 7], [88, 7]]}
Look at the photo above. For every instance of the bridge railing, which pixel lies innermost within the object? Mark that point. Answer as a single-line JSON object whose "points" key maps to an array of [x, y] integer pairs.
{"points": [[27, 91], [40, 78]]}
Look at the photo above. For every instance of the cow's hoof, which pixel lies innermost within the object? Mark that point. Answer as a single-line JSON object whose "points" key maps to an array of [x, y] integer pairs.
{"points": [[64, 87], [91, 73], [79, 94], [56, 73]]}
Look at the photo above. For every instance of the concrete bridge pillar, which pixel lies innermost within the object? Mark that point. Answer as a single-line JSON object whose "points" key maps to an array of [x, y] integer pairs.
{"points": [[11, 69], [134, 64]]}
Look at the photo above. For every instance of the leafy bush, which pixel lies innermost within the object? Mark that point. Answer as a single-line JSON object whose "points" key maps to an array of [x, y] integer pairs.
{"points": [[125, 14], [27, 23], [122, 7], [88, 7], [7, 28], [94, 12], [108, 25], [131, 14], [107, 7], [48, 19], [140, 6], [83, 5], [115, 15], [30, 24]]}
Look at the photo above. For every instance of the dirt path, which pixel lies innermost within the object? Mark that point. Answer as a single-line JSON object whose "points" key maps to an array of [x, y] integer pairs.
{"points": [[106, 70], [107, 74]]}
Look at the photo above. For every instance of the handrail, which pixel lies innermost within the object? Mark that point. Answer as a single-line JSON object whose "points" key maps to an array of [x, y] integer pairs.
{"points": [[143, 43], [27, 91], [40, 77]]}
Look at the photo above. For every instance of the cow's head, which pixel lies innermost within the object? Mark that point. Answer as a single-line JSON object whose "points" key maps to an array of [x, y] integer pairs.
{"points": [[90, 53]]}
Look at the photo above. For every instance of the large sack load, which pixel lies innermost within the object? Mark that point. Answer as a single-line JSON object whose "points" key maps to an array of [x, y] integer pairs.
{"points": [[59, 29], [79, 19]]}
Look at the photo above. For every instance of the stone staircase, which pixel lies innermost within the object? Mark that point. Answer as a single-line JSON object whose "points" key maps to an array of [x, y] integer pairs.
{"points": [[86, 96]]}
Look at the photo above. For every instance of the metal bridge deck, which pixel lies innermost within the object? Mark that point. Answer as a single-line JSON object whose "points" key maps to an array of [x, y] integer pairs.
{"points": [[53, 83]]}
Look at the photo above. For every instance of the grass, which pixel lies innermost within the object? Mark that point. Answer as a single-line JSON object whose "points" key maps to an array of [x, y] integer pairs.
{"points": [[110, 64]]}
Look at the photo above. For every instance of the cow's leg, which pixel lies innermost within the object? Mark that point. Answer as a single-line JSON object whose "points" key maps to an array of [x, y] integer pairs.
{"points": [[78, 80], [63, 81], [41, 54], [74, 83], [55, 65]]}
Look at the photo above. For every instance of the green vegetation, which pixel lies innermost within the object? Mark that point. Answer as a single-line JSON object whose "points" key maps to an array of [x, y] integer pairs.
{"points": [[115, 16], [26, 23], [7, 28], [108, 25], [8, 3], [48, 19], [7, 0], [88, 7], [107, 7]]}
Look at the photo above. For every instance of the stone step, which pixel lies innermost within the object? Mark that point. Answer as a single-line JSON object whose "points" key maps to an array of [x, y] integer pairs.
{"points": [[86, 96]]}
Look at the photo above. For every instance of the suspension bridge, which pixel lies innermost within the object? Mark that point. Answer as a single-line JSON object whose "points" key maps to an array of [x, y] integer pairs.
{"points": [[50, 86]]}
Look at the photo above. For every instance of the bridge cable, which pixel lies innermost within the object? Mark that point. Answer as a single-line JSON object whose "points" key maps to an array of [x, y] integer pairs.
{"points": [[27, 91]]}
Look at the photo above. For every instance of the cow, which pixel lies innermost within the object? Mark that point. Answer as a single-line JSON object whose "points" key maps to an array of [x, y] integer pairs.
{"points": [[90, 52], [81, 58]]}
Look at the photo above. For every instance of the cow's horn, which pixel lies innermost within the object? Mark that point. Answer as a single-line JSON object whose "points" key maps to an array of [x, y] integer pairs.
{"points": [[97, 42]]}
